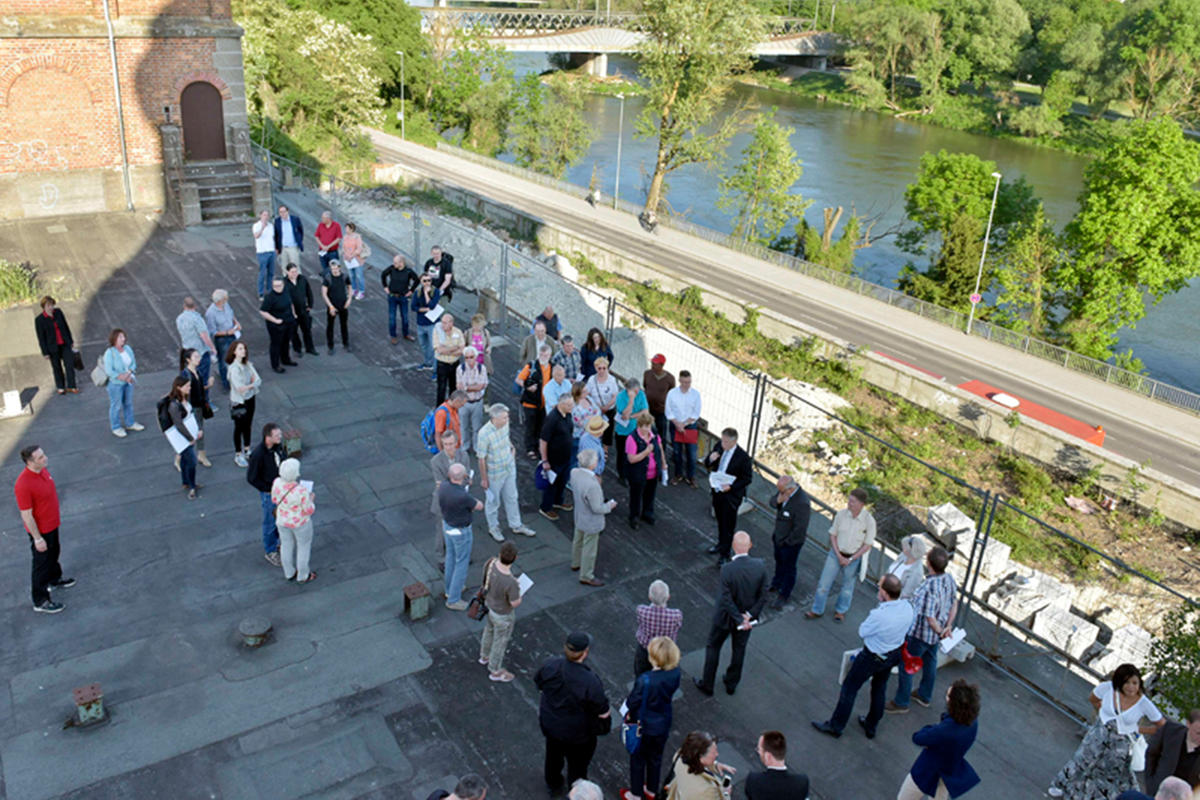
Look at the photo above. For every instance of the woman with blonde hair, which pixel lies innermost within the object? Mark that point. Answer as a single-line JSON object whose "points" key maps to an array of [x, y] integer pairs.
{"points": [[293, 517], [602, 389], [909, 565], [649, 706]]}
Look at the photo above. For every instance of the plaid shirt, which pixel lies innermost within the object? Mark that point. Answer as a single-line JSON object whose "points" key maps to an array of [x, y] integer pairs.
{"points": [[933, 598], [496, 446], [569, 363], [657, 621]]}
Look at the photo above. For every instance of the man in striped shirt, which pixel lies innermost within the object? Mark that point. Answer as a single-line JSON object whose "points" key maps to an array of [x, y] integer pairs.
{"points": [[936, 604]]}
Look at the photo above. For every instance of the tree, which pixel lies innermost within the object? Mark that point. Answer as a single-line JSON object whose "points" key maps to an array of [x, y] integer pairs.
{"points": [[1175, 659], [1025, 274], [316, 76], [1154, 57], [984, 39], [948, 207], [472, 89], [691, 54], [888, 37], [1136, 234], [760, 187], [548, 132]]}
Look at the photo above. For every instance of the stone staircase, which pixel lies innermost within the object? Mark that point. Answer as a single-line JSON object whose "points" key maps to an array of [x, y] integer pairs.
{"points": [[224, 190]]}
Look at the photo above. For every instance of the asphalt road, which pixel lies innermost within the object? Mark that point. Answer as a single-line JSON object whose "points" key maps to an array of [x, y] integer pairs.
{"points": [[1129, 438]]}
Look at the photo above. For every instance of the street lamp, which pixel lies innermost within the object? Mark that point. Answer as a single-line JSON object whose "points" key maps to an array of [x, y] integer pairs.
{"points": [[401, 54], [620, 135], [975, 296]]}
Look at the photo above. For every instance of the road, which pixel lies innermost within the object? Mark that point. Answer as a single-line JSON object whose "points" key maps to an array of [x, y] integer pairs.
{"points": [[1136, 427]]}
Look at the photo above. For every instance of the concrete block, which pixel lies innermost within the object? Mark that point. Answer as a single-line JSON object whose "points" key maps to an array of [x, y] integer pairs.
{"points": [[1068, 632], [949, 525], [189, 204], [994, 560], [1129, 644]]}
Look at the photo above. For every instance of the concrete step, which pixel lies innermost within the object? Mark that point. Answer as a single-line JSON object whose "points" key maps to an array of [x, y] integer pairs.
{"points": [[213, 169], [222, 205], [225, 191]]}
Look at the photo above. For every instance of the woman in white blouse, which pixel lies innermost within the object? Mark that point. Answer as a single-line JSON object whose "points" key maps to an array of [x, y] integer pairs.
{"points": [[1103, 766], [909, 566], [602, 389]]}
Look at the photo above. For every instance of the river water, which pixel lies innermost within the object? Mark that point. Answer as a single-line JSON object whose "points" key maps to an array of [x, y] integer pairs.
{"points": [[864, 160]]}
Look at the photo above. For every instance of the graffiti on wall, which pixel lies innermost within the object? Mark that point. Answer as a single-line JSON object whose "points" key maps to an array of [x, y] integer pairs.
{"points": [[30, 155]]}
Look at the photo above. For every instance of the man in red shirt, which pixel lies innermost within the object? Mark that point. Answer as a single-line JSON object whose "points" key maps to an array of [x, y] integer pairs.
{"points": [[328, 235], [37, 500]]}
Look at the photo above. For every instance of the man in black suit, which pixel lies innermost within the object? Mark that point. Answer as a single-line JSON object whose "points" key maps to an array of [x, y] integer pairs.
{"points": [[1174, 750], [731, 460], [573, 710], [792, 511], [743, 593], [777, 783]]}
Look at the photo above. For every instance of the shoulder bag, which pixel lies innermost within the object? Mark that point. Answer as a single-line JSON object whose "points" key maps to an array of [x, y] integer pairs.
{"points": [[477, 609], [99, 376]]}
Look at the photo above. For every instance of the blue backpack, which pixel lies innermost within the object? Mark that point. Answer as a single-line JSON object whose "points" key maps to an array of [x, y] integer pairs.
{"points": [[429, 431]]}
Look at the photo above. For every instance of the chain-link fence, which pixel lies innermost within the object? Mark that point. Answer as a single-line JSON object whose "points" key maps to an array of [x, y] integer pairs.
{"points": [[1053, 634]]}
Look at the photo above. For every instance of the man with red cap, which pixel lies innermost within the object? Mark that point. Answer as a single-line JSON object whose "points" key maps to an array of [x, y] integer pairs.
{"points": [[656, 382]]}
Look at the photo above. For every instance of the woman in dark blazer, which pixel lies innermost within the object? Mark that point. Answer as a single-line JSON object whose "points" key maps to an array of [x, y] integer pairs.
{"points": [[56, 344], [189, 370], [656, 688], [942, 769]]}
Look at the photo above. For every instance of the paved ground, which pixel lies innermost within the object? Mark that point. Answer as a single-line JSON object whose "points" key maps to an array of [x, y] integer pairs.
{"points": [[350, 699], [1138, 428]]}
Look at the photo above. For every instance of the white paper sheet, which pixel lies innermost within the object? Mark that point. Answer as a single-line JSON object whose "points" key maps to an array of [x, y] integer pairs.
{"points": [[719, 480], [956, 636], [307, 485], [177, 439], [551, 475], [523, 583], [435, 313]]}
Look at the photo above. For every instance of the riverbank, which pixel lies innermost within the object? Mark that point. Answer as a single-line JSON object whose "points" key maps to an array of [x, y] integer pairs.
{"points": [[969, 113]]}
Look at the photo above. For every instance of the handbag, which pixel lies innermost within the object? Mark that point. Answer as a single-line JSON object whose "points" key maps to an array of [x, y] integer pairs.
{"points": [[540, 479], [477, 609], [237, 411], [206, 411], [631, 732], [99, 376], [78, 361]]}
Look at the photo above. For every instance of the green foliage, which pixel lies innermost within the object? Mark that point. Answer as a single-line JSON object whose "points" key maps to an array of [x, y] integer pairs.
{"points": [[983, 39], [759, 188], [548, 132], [894, 40], [471, 90], [18, 284], [1024, 275], [1136, 235], [317, 77], [1153, 57], [1175, 659], [692, 51], [418, 126]]}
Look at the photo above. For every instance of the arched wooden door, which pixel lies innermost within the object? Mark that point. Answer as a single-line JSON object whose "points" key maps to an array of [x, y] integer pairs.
{"points": [[203, 122]]}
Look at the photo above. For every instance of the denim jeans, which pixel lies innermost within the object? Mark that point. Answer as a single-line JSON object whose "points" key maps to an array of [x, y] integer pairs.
{"points": [[266, 271], [120, 399], [325, 259], [425, 339], [831, 571], [458, 559], [928, 653], [187, 466], [684, 460], [204, 371], [356, 279], [396, 301], [270, 534], [223, 343]]}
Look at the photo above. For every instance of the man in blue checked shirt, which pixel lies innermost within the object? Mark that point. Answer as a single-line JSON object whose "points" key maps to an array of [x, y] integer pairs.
{"points": [[936, 604]]}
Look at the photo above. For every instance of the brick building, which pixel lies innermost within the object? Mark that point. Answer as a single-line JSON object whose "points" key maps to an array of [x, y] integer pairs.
{"points": [[177, 61]]}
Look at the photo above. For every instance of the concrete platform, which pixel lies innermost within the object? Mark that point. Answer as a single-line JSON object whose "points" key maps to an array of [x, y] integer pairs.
{"points": [[350, 699]]}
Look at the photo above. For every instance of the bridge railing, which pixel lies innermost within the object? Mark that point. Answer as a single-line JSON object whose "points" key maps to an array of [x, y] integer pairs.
{"points": [[1092, 367], [522, 22]]}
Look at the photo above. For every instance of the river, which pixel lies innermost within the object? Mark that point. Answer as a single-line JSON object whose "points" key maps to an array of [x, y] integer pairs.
{"points": [[864, 160]]}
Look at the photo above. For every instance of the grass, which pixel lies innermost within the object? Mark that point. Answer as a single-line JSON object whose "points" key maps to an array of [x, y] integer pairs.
{"points": [[19, 284]]}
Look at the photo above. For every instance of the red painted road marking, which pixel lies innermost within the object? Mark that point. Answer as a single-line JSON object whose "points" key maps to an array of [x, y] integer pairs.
{"points": [[1091, 434]]}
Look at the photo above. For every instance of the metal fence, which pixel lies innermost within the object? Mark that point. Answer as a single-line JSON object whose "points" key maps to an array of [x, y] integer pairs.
{"points": [[1025, 620], [1101, 370]]}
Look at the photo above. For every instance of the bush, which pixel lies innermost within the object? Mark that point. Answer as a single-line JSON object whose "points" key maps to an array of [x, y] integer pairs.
{"points": [[1175, 659], [18, 284]]}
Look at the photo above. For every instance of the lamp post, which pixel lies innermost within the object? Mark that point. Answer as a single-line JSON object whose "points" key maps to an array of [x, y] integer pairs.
{"points": [[975, 297], [401, 54], [620, 135]]}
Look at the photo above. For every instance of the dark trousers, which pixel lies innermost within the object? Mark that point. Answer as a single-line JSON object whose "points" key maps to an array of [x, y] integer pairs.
{"points": [[553, 494], [726, 505], [607, 437], [45, 567], [661, 427], [397, 301], [303, 327], [343, 321], [447, 381], [645, 764], [533, 419], [223, 343], [866, 667], [63, 360], [622, 460], [712, 655], [785, 568], [577, 755], [280, 335], [187, 466], [641, 662], [641, 500], [243, 427]]}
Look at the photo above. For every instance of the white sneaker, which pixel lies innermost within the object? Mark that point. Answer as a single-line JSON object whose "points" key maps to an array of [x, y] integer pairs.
{"points": [[119, 433], [497, 535], [525, 531], [137, 426], [1054, 791], [240, 460]]}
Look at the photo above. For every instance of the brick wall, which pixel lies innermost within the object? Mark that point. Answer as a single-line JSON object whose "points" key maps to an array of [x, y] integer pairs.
{"points": [[216, 9]]}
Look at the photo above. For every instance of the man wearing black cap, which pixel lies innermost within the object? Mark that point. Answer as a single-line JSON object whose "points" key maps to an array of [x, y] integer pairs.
{"points": [[573, 712]]}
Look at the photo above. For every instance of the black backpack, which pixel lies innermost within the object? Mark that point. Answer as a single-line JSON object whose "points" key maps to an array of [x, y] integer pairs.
{"points": [[164, 414], [532, 388]]}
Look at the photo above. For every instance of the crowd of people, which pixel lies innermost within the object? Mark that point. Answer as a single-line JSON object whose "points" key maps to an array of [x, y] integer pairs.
{"points": [[578, 418]]}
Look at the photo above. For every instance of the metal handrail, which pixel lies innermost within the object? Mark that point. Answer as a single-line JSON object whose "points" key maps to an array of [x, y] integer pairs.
{"points": [[1138, 383]]}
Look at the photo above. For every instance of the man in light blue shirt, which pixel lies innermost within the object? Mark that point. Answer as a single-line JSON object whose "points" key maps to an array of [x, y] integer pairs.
{"points": [[557, 387], [883, 633], [193, 335]]}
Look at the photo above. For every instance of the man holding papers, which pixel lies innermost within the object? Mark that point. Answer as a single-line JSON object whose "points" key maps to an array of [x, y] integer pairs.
{"points": [[936, 604], [730, 472]]}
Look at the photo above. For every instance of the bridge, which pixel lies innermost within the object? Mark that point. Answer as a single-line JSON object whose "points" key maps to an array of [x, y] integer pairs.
{"points": [[591, 35]]}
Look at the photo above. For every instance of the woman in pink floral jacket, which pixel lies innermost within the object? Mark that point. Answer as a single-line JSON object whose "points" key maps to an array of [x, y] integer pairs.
{"points": [[293, 517]]}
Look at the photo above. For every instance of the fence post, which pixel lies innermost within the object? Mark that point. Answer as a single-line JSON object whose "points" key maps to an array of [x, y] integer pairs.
{"points": [[983, 532], [504, 287], [610, 319], [760, 396], [416, 218]]}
